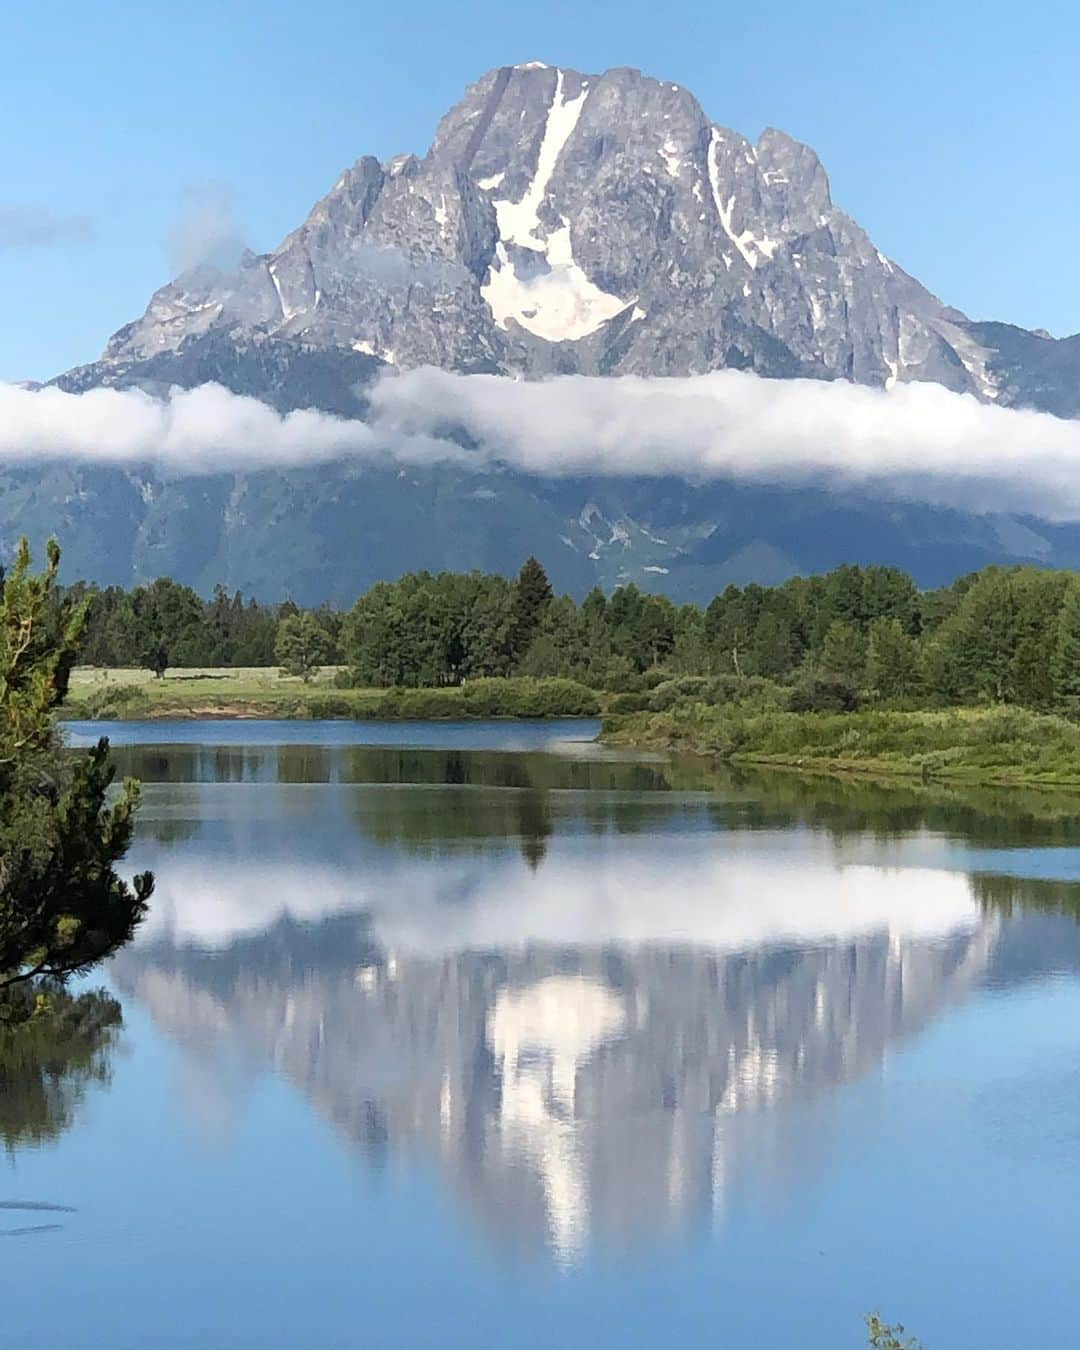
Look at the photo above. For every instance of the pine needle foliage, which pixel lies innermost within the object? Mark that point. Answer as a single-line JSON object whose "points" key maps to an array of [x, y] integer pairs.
{"points": [[63, 907]]}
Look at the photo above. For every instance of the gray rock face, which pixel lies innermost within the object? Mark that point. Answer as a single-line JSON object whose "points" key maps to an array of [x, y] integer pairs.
{"points": [[592, 223], [559, 222]]}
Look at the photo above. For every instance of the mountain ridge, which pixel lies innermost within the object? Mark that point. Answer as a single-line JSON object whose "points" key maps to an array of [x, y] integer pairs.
{"points": [[547, 227], [560, 222]]}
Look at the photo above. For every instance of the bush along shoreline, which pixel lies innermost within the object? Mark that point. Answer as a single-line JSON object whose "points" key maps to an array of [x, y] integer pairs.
{"points": [[754, 722], [520, 697]]}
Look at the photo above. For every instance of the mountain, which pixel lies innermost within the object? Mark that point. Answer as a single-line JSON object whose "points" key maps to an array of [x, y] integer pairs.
{"points": [[560, 222], [570, 222]]}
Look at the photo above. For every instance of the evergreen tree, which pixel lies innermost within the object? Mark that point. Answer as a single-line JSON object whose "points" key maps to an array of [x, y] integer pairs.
{"points": [[1066, 655], [843, 652], [532, 595], [892, 662], [690, 651], [63, 908], [302, 645], [888, 593], [655, 630], [594, 606], [729, 626], [772, 648]]}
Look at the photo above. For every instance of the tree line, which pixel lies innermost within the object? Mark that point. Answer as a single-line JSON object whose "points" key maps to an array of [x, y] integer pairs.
{"points": [[1003, 634], [165, 623]]}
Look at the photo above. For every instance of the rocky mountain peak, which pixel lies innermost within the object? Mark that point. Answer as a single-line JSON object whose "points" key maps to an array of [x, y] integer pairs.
{"points": [[559, 221], [599, 223]]}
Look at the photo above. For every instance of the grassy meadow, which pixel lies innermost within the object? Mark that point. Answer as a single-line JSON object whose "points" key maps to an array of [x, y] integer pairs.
{"points": [[135, 695], [989, 745]]}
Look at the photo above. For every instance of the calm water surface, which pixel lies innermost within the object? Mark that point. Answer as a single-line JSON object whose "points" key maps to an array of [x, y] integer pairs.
{"points": [[472, 1035]]}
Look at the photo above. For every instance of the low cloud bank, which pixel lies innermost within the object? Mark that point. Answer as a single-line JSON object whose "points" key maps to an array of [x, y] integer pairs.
{"points": [[915, 442], [193, 431]]}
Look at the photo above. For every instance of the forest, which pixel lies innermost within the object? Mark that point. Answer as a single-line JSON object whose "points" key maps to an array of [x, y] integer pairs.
{"points": [[853, 636]]}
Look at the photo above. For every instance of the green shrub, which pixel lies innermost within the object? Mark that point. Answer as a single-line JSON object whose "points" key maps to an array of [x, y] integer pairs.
{"points": [[110, 701], [631, 703], [329, 705], [754, 690], [526, 697], [520, 697], [670, 692], [819, 691]]}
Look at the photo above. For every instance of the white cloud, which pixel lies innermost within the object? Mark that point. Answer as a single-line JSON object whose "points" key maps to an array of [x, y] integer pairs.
{"points": [[917, 442], [193, 431], [207, 231]]}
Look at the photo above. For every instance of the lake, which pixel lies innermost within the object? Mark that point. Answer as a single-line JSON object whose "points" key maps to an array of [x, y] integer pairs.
{"points": [[476, 1035]]}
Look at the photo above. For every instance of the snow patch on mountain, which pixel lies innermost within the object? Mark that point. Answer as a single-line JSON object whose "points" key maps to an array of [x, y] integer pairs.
{"points": [[558, 303], [519, 221], [669, 153], [552, 297], [752, 247]]}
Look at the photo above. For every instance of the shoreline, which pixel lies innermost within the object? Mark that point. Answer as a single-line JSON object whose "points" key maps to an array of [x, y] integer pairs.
{"points": [[241, 713], [255, 694], [998, 746]]}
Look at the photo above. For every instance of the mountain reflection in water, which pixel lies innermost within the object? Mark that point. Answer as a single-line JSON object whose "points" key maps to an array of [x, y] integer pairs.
{"points": [[597, 996]]}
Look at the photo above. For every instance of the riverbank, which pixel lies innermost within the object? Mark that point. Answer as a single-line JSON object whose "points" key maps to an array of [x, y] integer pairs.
{"points": [[123, 695], [998, 746], [995, 746]]}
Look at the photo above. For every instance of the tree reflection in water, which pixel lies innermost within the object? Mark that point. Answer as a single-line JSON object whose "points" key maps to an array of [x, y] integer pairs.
{"points": [[48, 1061]]}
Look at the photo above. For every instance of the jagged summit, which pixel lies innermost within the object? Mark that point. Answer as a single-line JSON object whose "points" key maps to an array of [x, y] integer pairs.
{"points": [[560, 221], [577, 222]]}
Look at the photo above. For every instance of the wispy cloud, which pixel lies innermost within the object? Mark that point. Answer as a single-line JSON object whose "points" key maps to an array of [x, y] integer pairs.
{"points": [[916, 442], [207, 231], [30, 226]]}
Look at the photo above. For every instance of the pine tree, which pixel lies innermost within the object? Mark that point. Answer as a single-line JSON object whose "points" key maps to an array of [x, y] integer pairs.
{"points": [[532, 595], [1067, 649], [772, 649], [892, 661], [843, 652], [63, 908], [302, 645]]}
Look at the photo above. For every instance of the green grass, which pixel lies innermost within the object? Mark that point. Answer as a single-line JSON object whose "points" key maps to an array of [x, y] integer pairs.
{"points": [[1002, 745], [133, 695]]}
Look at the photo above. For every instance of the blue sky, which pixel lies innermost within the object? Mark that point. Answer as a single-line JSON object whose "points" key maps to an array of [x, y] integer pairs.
{"points": [[948, 131]]}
